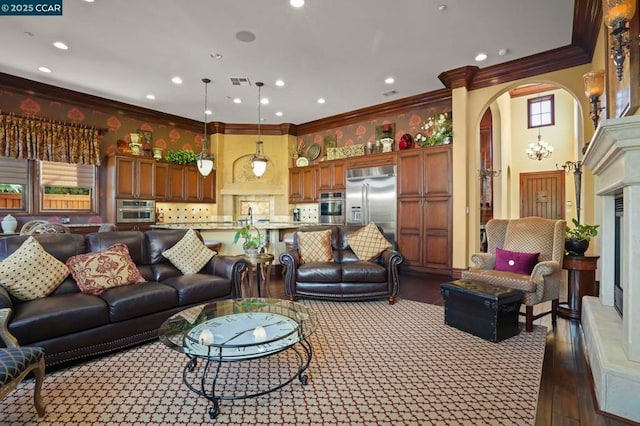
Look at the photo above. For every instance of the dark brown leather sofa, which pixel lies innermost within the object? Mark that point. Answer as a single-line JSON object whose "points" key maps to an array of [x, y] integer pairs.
{"points": [[71, 325], [347, 277]]}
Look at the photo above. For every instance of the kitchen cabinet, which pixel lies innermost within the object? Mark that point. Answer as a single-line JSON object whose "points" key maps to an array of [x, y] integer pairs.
{"points": [[425, 208], [131, 177], [162, 182], [331, 176], [175, 182], [302, 184], [372, 160]]}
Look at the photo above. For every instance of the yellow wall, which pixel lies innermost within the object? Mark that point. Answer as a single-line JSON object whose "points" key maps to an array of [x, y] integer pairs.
{"points": [[471, 105], [234, 176]]}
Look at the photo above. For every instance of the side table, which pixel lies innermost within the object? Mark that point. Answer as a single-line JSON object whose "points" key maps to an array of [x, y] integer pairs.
{"points": [[260, 267], [581, 282]]}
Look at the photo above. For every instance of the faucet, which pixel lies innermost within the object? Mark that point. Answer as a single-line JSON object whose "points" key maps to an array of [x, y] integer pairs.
{"points": [[250, 213]]}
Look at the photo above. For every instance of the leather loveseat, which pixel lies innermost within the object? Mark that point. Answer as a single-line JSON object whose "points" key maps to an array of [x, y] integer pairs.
{"points": [[71, 325], [346, 277]]}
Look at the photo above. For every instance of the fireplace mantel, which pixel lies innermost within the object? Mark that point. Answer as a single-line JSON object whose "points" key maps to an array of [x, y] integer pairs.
{"points": [[613, 342]]}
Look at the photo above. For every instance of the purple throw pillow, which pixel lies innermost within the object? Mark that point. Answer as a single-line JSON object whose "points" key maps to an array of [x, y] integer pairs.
{"points": [[513, 261]]}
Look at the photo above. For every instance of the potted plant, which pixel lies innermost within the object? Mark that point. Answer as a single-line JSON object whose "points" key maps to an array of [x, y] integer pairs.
{"points": [[577, 238], [253, 242], [182, 156]]}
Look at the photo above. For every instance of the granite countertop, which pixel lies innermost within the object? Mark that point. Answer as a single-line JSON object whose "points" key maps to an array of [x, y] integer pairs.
{"points": [[213, 226], [85, 225]]}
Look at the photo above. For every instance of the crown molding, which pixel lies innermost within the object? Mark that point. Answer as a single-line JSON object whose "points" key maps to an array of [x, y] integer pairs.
{"points": [[398, 106], [458, 77], [56, 94], [587, 23]]}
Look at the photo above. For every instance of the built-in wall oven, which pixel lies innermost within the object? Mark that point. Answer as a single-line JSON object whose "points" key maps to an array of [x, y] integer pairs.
{"points": [[331, 208], [135, 211]]}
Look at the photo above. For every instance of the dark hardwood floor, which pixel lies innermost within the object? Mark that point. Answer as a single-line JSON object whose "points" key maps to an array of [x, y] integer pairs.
{"points": [[566, 396]]}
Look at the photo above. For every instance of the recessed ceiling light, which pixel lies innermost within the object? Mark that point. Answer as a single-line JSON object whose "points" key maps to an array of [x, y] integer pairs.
{"points": [[503, 52], [389, 80], [264, 101], [208, 112], [89, 1], [237, 100], [176, 80], [442, 7], [321, 101], [279, 113], [481, 57], [296, 3], [151, 96], [44, 69], [60, 45], [279, 83]]}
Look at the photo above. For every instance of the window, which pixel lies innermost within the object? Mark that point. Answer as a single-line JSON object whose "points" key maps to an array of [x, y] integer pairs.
{"points": [[541, 111], [67, 187], [14, 179]]}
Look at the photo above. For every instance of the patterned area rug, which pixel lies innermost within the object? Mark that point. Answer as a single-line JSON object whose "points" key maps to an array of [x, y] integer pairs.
{"points": [[372, 364]]}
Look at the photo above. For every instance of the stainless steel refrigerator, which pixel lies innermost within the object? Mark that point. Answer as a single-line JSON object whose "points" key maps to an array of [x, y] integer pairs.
{"points": [[371, 197]]}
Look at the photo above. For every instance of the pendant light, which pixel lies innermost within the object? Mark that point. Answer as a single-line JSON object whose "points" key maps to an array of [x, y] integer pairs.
{"points": [[259, 160], [204, 160]]}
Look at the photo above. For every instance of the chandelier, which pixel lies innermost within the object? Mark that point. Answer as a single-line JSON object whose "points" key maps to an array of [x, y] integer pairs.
{"points": [[539, 150], [205, 161], [259, 160]]}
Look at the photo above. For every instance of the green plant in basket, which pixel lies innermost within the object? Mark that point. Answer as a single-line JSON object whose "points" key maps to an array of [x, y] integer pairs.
{"points": [[251, 239]]}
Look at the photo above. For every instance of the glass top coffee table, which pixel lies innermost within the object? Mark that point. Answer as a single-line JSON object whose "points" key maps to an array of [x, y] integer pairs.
{"points": [[241, 339]]}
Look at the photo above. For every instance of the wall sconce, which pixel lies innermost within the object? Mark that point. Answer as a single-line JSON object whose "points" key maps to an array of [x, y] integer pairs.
{"points": [[576, 167], [488, 173], [593, 89], [617, 13]]}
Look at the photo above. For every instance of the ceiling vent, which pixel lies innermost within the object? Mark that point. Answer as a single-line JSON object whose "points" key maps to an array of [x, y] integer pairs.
{"points": [[240, 81], [390, 93]]}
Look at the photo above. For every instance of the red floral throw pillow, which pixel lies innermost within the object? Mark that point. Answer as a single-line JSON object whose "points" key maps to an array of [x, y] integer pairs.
{"points": [[99, 271], [513, 261]]}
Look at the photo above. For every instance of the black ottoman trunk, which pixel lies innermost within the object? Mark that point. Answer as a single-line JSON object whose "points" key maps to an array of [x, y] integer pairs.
{"points": [[482, 309]]}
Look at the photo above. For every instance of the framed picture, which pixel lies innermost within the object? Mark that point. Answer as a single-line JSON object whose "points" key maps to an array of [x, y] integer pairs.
{"points": [[386, 131], [623, 97], [146, 136], [330, 141]]}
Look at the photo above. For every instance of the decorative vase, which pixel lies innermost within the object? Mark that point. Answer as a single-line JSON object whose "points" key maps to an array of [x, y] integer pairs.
{"points": [[135, 148], [387, 144], [406, 141], [251, 251], [157, 153], [294, 159], [9, 224], [576, 247]]}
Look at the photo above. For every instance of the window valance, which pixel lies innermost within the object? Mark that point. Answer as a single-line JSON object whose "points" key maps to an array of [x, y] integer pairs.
{"points": [[40, 139]]}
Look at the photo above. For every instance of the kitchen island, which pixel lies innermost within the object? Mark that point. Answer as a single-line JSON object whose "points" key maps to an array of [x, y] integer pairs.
{"points": [[223, 232]]}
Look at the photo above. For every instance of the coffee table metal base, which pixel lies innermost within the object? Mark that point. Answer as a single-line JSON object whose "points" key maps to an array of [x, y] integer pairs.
{"points": [[209, 375]]}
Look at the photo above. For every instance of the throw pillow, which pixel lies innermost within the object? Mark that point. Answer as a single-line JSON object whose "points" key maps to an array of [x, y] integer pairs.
{"points": [[96, 272], [30, 272], [189, 254], [367, 242], [315, 246], [513, 261]]}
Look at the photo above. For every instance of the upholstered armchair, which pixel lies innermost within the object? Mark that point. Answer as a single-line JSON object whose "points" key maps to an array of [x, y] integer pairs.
{"points": [[521, 236], [16, 362]]}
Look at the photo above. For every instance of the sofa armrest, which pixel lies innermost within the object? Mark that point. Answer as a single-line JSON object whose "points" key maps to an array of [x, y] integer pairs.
{"points": [[391, 260], [230, 267], [8, 338], [5, 299], [483, 260], [290, 260]]}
